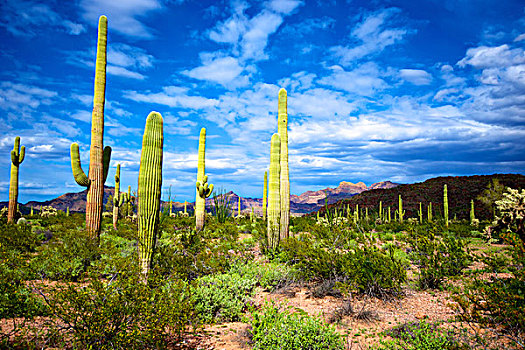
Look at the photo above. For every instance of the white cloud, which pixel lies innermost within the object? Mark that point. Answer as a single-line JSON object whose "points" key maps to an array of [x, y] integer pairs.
{"points": [[221, 70], [26, 19], [284, 6], [123, 15], [416, 76], [364, 80], [15, 96], [370, 36], [492, 57], [171, 96]]}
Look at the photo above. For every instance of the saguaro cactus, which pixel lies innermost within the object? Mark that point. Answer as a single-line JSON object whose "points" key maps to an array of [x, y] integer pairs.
{"points": [[274, 199], [150, 187], [17, 157], [98, 156], [119, 199], [445, 204], [202, 191], [472, 214], [284, 176], [380, 213], [265, 194], [420, 213], [401, 212], [239, 208]]}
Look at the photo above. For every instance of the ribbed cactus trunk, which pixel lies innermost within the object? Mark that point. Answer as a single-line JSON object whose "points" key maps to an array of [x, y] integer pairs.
{"points": [[274, 198], [265, 194], [445, 204], [472, 214], [284, 176], [401, 213], [98, 155], [149, 191], [199, 201], [17, 157]]}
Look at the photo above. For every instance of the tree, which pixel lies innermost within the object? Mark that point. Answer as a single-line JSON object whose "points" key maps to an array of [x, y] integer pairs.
{"points": [[491, 194]]}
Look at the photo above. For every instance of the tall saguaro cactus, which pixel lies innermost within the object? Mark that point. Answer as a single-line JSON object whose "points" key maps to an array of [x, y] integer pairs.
{"points": [[119, 199], [284, 176], [98, 155], [150, 187], [203, 190], [472, 213], [17, 157], [265, 194], [445, 204], [401, 212], [429, 212], [274, 198]]}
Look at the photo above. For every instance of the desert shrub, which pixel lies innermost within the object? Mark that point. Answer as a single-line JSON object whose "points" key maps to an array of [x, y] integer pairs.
{"points": [[437, 257], [123, 313], [18, 237], [223, 297], [272, 329], [363, 268], [67, 256], [266, 275], [420, 336]]}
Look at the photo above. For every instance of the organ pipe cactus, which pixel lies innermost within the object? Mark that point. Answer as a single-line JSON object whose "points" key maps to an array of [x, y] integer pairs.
{"points": [[401, 212], [274, 199], [149, 191], [119, 199], [284, 176], [99, 155], [203, 190], [445, 204], [265, 194], [17, 157]]}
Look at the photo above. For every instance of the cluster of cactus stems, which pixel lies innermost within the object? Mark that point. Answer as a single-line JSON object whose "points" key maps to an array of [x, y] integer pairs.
{"points": [[119, 199], [284, 176], [265, 194], [149, 190], [203, 190], [274, 198], [98, 156], [445, 204], [17, 157]]}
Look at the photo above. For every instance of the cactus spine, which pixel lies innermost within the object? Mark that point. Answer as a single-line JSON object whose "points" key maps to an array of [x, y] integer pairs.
{"points": [[274, 199], [202, 191], [265, 194], [17, 157], [284, 176], [98, 155], [119, 199], [149, 191], [472, 214], [401, 212], [445, 204]]}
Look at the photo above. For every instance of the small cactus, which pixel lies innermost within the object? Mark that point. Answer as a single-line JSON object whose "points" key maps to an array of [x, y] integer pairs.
{"points": [[149, 191], [119, 199], [400, 211], [17, 157], [472, 214], [420, 213], [445, 204], [429, 212], [274, 199]]}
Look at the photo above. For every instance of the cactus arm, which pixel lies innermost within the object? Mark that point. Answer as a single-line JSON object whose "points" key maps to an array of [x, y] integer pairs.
{"points": [[22, 154], [78, 173], [106, 157]]}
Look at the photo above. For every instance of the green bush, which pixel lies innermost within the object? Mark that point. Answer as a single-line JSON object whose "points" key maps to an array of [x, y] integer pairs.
{"points": [[275, 330], [437, 257], [123, 313], [420, 336]]}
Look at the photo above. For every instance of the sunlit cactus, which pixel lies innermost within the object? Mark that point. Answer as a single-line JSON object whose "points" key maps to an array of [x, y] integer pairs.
{"points": [[17, 157], [429, 212], [284, 175], [98, 156], [400, 211], [380, 211], [119, 199], [274, 199], [420, 213], [203, 190], [265, 194], [149, 191], [239, 208], [445, 204]]}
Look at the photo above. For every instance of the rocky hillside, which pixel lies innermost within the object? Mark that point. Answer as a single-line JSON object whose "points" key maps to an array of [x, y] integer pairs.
{"points": [[461, 189]]}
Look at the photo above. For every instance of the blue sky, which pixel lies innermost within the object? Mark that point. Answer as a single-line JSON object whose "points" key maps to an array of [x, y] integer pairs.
{"points": [[377, 90]]}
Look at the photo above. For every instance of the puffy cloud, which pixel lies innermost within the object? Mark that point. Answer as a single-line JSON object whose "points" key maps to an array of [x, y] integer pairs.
{"points": [[222, 70], [492, 57], [416, 76], [364, 80]]}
